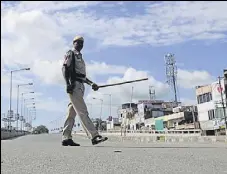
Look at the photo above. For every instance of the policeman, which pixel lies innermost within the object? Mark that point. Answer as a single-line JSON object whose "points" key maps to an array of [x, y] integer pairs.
{"points": [[74, 72]]}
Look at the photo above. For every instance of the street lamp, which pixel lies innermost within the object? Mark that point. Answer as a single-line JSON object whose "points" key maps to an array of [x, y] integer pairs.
{"points": [[100, 112], [110, 101], [31, 99], [22, 94], [33, 113], [28, 104], [29, 120], [10, 100], [18, 86]]}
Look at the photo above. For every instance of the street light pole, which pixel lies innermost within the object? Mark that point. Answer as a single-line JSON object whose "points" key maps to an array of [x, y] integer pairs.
{"points": [[110, 102], [100, 112], [33, 114], [18, 88], [110, 105], [21, 110], [22, 104], [25, 107], [17, 105], [29, 115], [10, 100]]}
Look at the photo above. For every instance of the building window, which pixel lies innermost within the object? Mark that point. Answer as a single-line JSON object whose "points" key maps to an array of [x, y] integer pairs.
{"points": [[204, 98], [219, 113], [211, 114]]}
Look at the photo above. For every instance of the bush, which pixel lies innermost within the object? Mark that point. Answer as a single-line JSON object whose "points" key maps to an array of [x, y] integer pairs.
{"points": [[40, 130]]}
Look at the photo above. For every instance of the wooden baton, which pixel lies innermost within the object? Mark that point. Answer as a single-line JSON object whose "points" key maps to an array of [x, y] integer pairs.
{"points": [[121, 83]]}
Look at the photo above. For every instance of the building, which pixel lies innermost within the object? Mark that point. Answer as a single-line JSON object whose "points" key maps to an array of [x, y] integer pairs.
{"points": [[148, 109], [127, 114], [125, 110], [183, 117], [210, 107], [136, 116], [113, 124]]}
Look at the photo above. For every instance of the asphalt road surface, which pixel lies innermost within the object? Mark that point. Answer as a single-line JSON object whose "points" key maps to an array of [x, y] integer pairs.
{"points": [[43, 154]]}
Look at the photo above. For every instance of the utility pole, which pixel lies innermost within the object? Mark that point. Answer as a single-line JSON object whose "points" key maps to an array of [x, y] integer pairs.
{"points": [[152, 92], [131, 98], [130, 112], [225, 85], [222, 101], [10, 99]]}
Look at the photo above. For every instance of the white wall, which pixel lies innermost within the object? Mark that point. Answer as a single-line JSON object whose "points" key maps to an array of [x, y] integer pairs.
{"points": [[203, 110], [216, 98], [149, 122]]}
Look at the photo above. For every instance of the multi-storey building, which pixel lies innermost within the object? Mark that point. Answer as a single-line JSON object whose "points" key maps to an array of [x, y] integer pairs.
{"points": [[210, 106], [135, 116]]}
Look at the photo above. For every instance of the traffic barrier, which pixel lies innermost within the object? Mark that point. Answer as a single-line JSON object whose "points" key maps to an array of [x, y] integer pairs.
{"points": [[7, 134], [140, 133], [170, 136]]}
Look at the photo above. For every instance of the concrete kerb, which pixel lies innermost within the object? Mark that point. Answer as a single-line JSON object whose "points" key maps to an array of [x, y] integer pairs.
{"points": [[162, 138]]}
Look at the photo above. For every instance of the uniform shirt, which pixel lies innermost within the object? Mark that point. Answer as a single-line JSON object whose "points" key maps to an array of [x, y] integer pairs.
{"points": [[80, 66]]}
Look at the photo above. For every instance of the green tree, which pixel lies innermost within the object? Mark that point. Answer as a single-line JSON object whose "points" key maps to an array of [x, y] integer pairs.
{"points": [[41, 130]]}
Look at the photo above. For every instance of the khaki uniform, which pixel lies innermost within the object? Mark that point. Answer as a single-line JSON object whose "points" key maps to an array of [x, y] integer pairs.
{"points": [[77, 105]]}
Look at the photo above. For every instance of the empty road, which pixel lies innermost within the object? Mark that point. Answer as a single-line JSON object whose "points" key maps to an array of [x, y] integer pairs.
{"points": [[43, 154]]}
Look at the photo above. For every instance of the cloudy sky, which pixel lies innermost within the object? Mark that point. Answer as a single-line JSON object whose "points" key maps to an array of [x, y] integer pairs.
{"points": [[123, 41]]}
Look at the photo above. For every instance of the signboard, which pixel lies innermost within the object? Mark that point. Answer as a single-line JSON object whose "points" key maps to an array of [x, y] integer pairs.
{"points": [[217, 89]]}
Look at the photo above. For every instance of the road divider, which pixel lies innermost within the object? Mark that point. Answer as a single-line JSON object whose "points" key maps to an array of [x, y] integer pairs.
{"points": [[8, 134], [169, 138]]}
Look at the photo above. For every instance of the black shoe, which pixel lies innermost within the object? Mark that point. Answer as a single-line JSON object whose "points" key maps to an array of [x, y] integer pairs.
{"points": [[69, 142], [98, 139]]}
